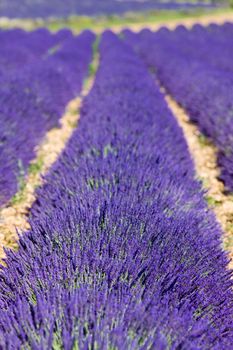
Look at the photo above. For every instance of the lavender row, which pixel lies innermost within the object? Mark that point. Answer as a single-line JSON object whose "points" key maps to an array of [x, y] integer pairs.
{"points": [[196, 68], [18, 49], [58, 8], [32, 100], [123, 252]]}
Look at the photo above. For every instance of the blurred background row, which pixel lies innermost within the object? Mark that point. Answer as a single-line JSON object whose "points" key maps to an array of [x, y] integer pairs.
{"points": [[61, 8]]}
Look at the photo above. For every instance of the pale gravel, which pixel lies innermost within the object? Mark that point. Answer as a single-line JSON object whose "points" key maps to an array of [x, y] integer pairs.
{"points": [[203, 19]]}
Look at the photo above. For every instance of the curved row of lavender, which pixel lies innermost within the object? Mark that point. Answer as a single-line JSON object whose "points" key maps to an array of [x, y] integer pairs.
{"points": [[123, 252], [60, 8], [196, 68], [33, 98]]}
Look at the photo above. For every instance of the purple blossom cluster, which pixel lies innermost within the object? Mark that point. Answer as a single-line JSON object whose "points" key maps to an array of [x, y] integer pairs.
{"points": [[123, 252], [195, 66], [40, 73], [60, 8]]}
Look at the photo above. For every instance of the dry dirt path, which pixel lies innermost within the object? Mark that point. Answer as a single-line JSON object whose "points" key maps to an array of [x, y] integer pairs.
{"points": [[204, 20]]}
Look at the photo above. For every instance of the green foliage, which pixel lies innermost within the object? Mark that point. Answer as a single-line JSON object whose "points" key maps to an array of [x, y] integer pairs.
{"points": [[108, 149], [212, 202], [57, 341], [36, 167], [95, 183], [53, 50], [32, 298], [203, 140], [203, 181], [75, 346], [19, 196], [228, 241], [203, 311], [93, 65]]}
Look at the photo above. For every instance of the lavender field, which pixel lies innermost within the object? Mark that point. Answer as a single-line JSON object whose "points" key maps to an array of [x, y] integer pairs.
{"points": [[58, 8], [123, 251]]}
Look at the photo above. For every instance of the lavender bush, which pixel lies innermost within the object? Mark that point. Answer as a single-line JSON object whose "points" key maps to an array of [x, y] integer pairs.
{"points": [[123, 252], [33, 97], [196, 68]]}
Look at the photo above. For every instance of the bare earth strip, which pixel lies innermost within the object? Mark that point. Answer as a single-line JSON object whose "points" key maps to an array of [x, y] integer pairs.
{"points": [[204, 20], [171, 23], [204, 155], [13, 217]]}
